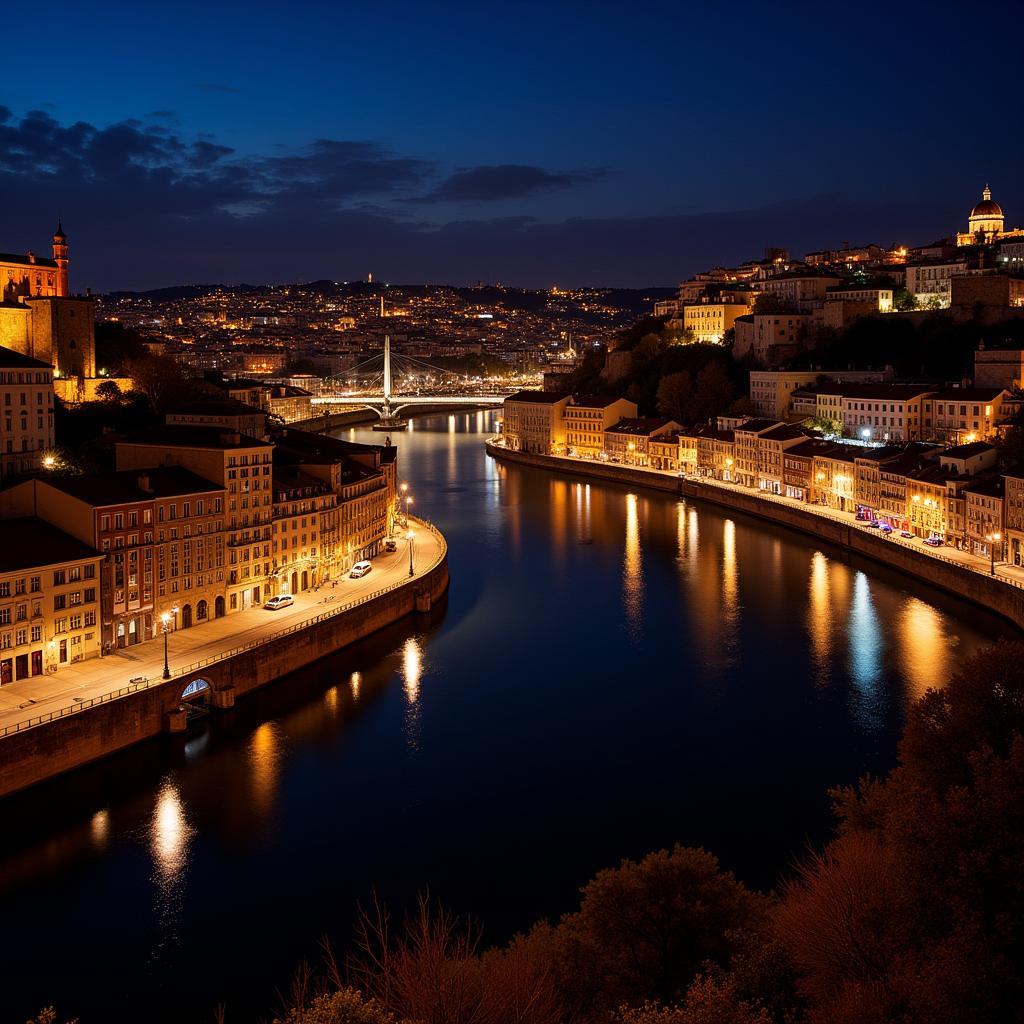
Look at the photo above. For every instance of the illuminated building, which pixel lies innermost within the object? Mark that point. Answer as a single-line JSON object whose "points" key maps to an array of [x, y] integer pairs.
{"points": [[985, 223], [587, 417], [49, 599], [628, 441], [710, 320], [963, 414], [26, 413], [534, 421]]}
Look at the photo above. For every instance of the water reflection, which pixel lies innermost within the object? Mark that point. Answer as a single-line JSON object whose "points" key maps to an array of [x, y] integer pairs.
{"points": [[169, 835], [819, 618], [730, 583], [866, 646], [264, 755], [99, 828], [354, 683], [632, 574], [925, 649], [412, 668]]}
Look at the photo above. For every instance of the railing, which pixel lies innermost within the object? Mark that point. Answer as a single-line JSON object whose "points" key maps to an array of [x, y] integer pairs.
{"points": [[176, 673]]}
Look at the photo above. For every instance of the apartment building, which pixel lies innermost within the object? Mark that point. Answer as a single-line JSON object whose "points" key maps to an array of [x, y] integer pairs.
{"points": [[746, 449], [963, 415], [586, 419], [1013, 516], [242, 466], [628, 441], [986, 531], [883, 412], [710, 320], [49, 599], [716, 453], [26, 413], [929, 282], [534, 421], [302, 503], [772, 447]]}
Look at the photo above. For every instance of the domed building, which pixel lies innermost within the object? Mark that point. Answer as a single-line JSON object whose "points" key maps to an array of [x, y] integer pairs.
{"points": [[985, 223]]}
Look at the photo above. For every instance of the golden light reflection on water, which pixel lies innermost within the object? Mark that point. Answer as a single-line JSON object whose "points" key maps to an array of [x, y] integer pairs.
{"points": [[355, 683], [412, 670], [730, 573], [264, 757], [99, 828], [633, 570], [169, 836], [924, 648], [331, 701], [819, 617]]}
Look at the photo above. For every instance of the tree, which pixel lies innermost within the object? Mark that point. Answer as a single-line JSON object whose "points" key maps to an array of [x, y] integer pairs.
{"points": [[715, 391], [156, 377], [903, 300], [345, 1006], [675, 396], [644, 929], [109, 391], [743, 406]]}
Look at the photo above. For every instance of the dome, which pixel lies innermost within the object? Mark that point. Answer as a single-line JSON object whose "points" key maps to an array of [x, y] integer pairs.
{"points": [[988, 207]]}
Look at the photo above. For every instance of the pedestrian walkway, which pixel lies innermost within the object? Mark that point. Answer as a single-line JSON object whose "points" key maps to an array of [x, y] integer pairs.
{"points": [[86, 681]]}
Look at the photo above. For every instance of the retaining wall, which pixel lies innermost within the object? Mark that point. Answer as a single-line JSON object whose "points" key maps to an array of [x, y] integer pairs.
{"points": [[990, 592], [46, 750]]}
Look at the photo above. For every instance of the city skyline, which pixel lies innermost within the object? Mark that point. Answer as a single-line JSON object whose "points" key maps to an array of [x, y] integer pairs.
{"points": [[536, 148]]}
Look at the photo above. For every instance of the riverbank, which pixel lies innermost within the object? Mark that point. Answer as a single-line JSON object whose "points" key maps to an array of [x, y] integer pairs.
{"points": [[956, 575], [92, 709]]}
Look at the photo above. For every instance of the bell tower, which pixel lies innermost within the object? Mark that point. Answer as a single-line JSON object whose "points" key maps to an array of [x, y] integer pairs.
{"points": [[60, 257]]}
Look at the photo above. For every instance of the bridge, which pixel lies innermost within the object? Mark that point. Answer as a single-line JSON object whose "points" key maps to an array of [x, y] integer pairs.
{"points": [[372, 385]]}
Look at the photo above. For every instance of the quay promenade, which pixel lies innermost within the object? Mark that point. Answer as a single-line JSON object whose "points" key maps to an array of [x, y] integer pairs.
{"points": [[55, 722]]}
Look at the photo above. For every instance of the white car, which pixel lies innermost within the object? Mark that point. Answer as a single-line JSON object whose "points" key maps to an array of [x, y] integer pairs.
{"points": [[281, 601], [359, 570]]}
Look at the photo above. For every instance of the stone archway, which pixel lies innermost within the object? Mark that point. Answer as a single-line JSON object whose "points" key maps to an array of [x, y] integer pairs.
{"points": [[202, 611], [295, 583], [186, 616], [305, 579], [218, 608]]}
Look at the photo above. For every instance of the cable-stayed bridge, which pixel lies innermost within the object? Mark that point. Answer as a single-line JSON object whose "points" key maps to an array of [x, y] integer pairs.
{"points": [[390, 383]]}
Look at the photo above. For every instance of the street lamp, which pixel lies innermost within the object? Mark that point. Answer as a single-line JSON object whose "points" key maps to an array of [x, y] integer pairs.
{"points": [[408, 537], [993, 539], [408, 502], [165, 618]]}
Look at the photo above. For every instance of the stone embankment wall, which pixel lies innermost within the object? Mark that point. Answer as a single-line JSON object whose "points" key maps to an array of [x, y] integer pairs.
{"points": [[989, 592], [46, 750]]}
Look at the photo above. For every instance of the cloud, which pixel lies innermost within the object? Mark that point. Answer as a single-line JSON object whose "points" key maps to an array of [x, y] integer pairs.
{"points": [[503, 181], [146, 205], [217, 87]]}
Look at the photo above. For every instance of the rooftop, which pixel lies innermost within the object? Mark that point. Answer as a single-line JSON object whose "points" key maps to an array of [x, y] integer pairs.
{"points": [[195, 437], [11, 360], [642, 427], [538, 397], [30, 543], [130, 485]]}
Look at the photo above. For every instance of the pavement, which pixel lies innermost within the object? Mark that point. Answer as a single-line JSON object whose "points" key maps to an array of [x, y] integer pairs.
{"points": [[40, 695]]}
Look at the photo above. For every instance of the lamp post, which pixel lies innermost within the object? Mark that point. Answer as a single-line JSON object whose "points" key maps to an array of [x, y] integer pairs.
{"points": [[408, 502], [408, 537], [404, 488], [993, 539], [165, 618]]}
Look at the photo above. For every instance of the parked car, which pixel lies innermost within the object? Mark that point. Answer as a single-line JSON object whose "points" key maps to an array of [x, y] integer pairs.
{"points": [[884, 527], [359, 570], [138, 680], [391, 545], [906, 534], [281, 601], [874, 524], [933, 542]]}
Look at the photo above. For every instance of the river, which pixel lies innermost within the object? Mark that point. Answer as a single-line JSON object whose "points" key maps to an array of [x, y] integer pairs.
{"points": [[611, 672]]}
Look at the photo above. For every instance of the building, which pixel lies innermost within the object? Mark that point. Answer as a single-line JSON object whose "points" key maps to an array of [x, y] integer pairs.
{"points": [[798, 467], [303, 504], [1013, 516], [663, 451], [224, 414], [716, 453], [883, 412], [801, 290], [289, 404], [628, 440], [31, 276], [26, 413], [877, 298], [771, 391], [962, 415], [985, 223], [49, 599], [239, 464], [746, 449], [770, 337], [985, 527], [929, 281], [586, 419], [987, 295], [999, 368], [771, 449], [534, 421], [710, 320]]}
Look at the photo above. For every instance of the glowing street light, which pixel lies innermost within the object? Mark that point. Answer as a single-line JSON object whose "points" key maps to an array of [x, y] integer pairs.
{"points": [[993, 539], [165, 619], [408, 537]]}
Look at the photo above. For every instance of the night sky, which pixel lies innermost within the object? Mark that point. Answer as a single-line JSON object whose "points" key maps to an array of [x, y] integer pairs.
{"points": [[533, 144]]}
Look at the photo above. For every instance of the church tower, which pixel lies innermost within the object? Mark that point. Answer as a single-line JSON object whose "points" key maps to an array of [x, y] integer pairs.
{"points": [[60, 257]]}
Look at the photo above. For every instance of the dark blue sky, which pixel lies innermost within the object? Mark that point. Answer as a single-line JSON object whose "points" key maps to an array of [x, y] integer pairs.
{"points": [[535, 144]]}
